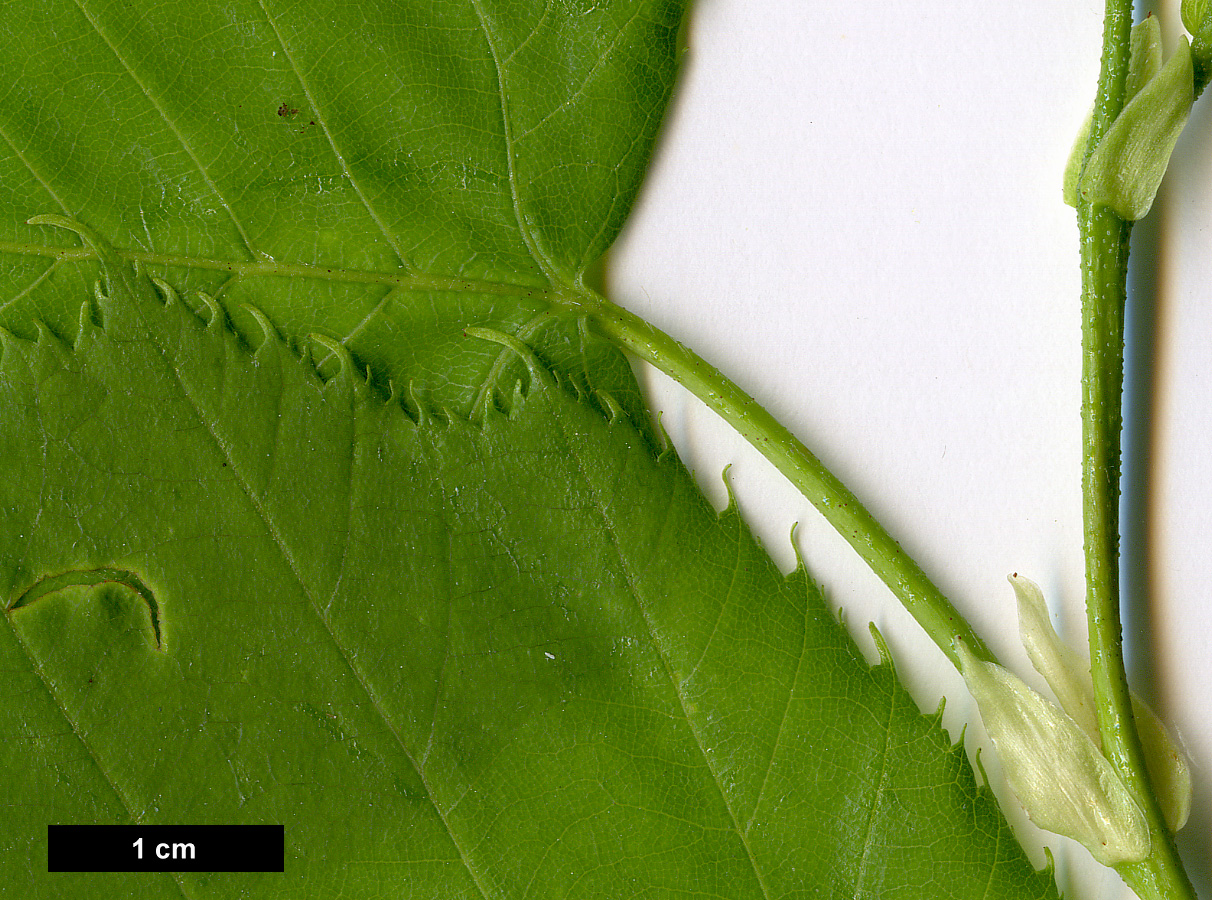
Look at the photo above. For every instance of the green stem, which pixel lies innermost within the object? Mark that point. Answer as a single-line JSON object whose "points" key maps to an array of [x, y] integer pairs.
{"points": [[1104, 258], [941, 621]]}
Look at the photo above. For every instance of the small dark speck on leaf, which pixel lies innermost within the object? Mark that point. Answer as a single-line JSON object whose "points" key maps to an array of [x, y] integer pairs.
{"points": [[286, 111]]}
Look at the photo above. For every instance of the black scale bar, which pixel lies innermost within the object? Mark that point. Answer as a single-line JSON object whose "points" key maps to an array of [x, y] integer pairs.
{"points": [[165, 848]]}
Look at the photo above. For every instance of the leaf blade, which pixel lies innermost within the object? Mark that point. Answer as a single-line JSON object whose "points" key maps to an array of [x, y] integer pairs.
{"points": [[510, 705]]}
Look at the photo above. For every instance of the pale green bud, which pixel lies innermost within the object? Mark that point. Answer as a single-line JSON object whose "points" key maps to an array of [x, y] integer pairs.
{"points": [[1144, 61], [1126, 168], [1055, 770], [1068, 674], [1144, 56]]}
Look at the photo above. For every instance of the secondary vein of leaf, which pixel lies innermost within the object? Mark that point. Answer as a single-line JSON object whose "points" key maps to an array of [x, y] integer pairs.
{"points": [[172, 126], [288, 556], [675, 683], [524, 226], [324, 126], [274, 269]]}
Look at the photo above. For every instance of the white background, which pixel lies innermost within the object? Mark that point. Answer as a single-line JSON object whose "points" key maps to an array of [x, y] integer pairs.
{"points": [[855, 213]]}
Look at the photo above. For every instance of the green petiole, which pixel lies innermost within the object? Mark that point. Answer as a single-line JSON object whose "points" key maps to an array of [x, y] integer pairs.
{"points": [[840, 507]]}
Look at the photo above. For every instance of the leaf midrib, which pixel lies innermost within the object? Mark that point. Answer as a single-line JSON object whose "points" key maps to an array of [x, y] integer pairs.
{"points": [[275, 269]]}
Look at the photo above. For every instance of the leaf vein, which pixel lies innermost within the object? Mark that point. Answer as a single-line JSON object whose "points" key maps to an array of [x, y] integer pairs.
{"points": [[32, 286], [720, 615], [172, 126], [37, 175], [322, 121], [877, 797], [524, 226], [584, 83], [778, 738], [634, 589]]}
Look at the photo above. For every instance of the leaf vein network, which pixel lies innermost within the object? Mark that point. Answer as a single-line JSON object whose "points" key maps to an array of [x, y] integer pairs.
{"points": [[173, 127], [293, 566], [322, 121], [636, 595]]}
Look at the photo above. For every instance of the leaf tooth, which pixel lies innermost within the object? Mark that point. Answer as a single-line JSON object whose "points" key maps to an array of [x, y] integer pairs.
{"points": [[494, 410], [663, 436], [337, 349], [881, 647], [348, 376], [422, 416], [731, 507], [86, 324], [538, 373], [614, 411], [980, 766], [269, 334], [167, 291], [795, 548], [938, 712], [9, 341], [82, 231], [217, 316], [48, 340], [518, 401], [1050, 865]]}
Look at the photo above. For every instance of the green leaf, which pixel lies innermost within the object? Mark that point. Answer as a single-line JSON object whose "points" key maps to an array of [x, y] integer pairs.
{"points": [[1197, 18], [515, 657], [385, 173], [522, 658]]}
